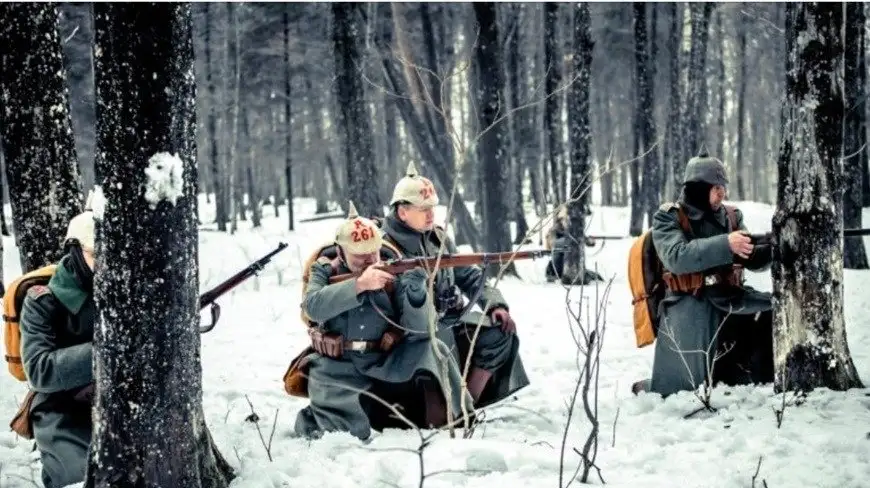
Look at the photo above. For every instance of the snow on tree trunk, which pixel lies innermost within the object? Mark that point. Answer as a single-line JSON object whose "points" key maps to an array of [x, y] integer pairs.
{"points": [[580, 134], [149, 424], [495, 137], [354, 120], [809, 330], [35, 123]]}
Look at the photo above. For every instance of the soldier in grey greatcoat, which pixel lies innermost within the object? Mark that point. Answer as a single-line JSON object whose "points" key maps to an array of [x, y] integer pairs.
{"points": [[736, 319], [57, 328], [371, 339], [496, 367]]}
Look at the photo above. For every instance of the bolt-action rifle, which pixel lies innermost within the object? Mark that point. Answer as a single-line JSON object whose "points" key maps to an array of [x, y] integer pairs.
{"points": [[209, 298], [766, 238], [397, 266]]}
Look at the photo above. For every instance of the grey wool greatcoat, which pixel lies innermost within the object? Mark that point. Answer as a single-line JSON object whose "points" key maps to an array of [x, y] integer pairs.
{"points": [[57, 329], [689, 323], [339, 309], [494, 351]]}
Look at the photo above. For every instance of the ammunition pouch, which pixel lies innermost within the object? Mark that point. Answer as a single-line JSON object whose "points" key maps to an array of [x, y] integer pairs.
{"points": [[692, 283], [334, 345]]}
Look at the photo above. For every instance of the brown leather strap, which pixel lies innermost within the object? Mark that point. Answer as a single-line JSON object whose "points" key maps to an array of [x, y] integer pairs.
{"points": [[694, 282], [732, 217]]}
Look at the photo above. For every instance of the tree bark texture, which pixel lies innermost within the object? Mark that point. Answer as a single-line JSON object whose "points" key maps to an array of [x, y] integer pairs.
{"points": [[36, 128], [809, 331], [354, 120], [552, 106], [580, 135], [493, 142], [149, 425], [854, 136]]}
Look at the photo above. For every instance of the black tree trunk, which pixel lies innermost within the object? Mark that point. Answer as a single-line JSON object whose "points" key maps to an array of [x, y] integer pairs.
{"points": [[36, 127], [491, 147], [354, 121], [854, 136], [809, 329], [580, 133], [151, 429]]}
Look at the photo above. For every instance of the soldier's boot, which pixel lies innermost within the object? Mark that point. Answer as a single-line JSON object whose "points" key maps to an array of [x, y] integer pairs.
{"points": [[435, 407], [640, 386], [477, 381]]}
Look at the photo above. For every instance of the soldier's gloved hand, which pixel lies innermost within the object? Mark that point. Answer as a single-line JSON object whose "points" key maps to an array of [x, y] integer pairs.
{"points": [[414, 285], [502, 316]]}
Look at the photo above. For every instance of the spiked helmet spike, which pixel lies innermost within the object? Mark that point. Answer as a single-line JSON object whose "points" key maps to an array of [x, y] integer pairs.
{"points": [[414, 189]]}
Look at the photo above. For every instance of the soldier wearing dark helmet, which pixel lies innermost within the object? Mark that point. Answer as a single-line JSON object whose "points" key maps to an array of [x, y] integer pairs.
{"points": [[708, 312]]}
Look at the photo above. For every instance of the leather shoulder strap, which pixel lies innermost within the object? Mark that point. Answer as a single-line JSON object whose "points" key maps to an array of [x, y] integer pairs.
{"points": [[684, 220], [732, 217]]}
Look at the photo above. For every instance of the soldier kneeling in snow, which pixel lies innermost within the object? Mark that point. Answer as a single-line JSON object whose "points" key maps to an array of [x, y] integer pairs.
{"points": [[703, 248], [371, 334], [57, 332]]}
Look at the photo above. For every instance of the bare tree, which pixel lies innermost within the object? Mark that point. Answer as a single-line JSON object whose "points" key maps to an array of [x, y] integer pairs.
{"points": [[35, 125], [150, 428], [809, 329]]}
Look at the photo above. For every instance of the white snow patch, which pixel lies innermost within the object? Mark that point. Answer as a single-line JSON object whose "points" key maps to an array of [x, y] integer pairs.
{"points": [[97, 202], [165, 181]]}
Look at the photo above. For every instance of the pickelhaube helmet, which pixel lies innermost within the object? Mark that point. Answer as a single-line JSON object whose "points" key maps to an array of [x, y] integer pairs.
{"points": [[414, 189], [705, 168], [358, 235]]}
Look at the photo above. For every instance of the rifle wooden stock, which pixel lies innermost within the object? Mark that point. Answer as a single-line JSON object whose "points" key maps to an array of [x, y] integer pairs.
{"points": [[398, 266]]}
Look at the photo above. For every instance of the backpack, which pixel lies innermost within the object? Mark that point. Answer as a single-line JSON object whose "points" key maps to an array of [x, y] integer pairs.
{"points": [[646, 278], [13, 300]]}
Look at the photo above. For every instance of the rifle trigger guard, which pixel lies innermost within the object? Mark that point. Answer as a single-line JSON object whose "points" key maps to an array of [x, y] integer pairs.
{"points": [[215, 315]]}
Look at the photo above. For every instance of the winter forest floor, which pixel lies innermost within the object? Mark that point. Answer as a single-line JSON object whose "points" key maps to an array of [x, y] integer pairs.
{"points": [[643, 440]]}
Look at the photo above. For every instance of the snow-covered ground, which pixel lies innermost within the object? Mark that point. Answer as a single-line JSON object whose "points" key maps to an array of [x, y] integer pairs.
{"points": [[644, 441]]}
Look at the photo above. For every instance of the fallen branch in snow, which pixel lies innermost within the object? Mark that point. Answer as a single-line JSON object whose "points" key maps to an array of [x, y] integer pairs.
{"points": [[255, 419], [755, 476], [589, 339]]}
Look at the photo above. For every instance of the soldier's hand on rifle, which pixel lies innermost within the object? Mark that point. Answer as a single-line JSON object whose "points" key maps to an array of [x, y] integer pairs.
{"points": [[740, 244], [373, 278]]}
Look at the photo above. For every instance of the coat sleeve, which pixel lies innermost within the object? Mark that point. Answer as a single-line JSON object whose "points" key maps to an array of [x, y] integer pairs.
{"points": [[415, 306], [761, 257], [324, 301], [469, 279], [50, 368], [679, 255]]}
